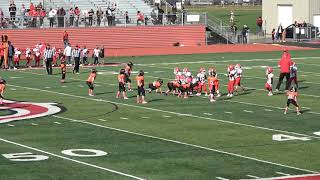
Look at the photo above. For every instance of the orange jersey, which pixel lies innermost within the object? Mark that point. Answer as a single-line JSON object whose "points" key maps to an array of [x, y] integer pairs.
{"points": [[212, 80], [156, 84], [176, 84], [2, 87], [140, 80], [292, 95], [91, 77], [121, 78]]}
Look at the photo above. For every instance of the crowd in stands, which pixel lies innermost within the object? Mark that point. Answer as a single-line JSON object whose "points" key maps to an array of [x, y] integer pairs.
{"points": [[37, 16]]}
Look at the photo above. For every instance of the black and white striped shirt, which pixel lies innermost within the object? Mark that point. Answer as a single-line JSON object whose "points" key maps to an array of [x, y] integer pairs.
{"points": [[76, 53], [48, 53]]}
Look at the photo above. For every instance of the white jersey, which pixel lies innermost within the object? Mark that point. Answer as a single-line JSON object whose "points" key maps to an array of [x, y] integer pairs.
{"points": [[85, 52], [231, 75], [238, 72], [28, 53], [202, 77], [17, 53], [293, 71], [269, 78], [37, 52]]}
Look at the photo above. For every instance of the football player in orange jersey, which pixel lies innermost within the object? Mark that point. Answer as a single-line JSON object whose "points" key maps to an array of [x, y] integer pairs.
{"points": [[141, 92], [2, 88], [156, 85], [63, 68], [292, 99], [212, 84], [90, 81], [122, 88], [213, 71], [173, 86], [128, 70]]}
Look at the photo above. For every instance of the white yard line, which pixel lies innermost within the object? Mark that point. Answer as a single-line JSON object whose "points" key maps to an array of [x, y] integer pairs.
{"points": [[293, 176], [221, 178], [34, 124], [70, 159], [281, 173], [268, 110], [166, 116], [209, 114], [186, 144], [256, 177], [227, 112], [164, 111], [124, 118], [57, 122], [102, 120], [11, 125], [247, 111]]}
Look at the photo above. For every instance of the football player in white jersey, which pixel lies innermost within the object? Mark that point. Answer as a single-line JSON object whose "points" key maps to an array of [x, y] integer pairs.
{"points": [[238, 77], [231, 76], [268, 85], [202, 85]]}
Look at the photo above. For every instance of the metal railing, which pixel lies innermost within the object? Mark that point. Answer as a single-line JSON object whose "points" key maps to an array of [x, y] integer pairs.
{"points": [[304, 33], [20, 22]]}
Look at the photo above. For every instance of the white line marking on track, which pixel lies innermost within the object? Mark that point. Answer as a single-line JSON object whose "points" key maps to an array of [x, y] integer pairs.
{"points": [[102, 120], [293, 176], [123, 118], [57, 122], [281, 173], [247, 111], [186, 144], [256, 177], [164, 111], [11, 125], [34, 124], [70, 159], [221, 178], [209, 114]]}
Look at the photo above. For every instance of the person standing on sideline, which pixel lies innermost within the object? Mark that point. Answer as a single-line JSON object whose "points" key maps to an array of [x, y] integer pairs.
{"points": [[52, 14], [96, 53], [67, 53], [65, 38], [76, 57], [1, 54], [85, 53], [48, 57], [10, 54], [284, 65]]}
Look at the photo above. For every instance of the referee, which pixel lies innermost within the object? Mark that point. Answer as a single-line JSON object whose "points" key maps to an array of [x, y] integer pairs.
{"points": [[76, 55], [48, 56]]}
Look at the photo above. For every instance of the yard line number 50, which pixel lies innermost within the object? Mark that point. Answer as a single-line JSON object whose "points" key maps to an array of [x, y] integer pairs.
{"points": [[28, 156]]}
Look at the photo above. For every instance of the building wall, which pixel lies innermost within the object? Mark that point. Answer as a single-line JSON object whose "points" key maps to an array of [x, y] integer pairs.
{"points": [[301, 11], [314, 9]]}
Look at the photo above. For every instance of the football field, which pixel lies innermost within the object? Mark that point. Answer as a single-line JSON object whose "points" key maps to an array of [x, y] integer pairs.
{"points": [[72, 136]]}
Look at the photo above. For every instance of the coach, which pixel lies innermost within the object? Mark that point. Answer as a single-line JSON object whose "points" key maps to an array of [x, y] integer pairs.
{"points": [[284, 65]]}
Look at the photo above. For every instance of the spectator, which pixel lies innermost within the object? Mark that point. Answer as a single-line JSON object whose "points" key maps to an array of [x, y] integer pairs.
{"points": [[140, 18], [234, 29], [245, 34], [259, 25], [160, 14], [91, 13], [65, 38], [273, 33], [109, 16], [61, 13], [31, 7], [12, 11], [279, 32], [10, 54], [68, 53], [52, 14], [76, 56], [39, 7], [1, 54], [99, 16], [101, 54], [231, 16], [23, 11], [284, 65], [1, 18], [174, 14], [71, 16], [48, 57], [42, 16], [127, 17], [96, 53], [284, 34], [77, 15]]}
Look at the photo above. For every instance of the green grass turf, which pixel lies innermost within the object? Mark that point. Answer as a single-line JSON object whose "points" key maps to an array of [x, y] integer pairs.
{"points": [[146, 155], [244, 15]]}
